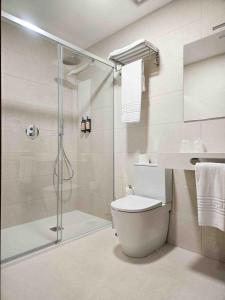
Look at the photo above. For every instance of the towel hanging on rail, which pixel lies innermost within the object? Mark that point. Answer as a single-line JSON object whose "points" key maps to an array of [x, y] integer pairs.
{"points": [[210, 184], [131, 91]]}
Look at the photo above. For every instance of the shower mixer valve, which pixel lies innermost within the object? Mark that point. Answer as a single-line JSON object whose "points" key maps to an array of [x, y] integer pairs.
{"points": [[32, 131]]}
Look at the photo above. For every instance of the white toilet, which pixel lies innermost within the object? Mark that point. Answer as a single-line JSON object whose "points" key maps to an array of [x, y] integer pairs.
{"points": [[141, 220]]}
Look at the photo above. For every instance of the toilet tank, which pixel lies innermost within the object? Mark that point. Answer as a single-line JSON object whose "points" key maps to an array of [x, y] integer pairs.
{"points": [[153, 182]]}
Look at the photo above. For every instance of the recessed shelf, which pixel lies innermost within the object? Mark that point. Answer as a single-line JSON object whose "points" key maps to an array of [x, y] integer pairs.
{"points": [[146, 164]]}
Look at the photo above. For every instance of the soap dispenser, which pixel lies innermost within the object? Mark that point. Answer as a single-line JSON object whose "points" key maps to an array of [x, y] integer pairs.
{"points": [[88, 124], [83, 125]]}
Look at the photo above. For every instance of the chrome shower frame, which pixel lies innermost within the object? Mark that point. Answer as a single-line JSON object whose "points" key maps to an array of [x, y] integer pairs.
{"points": [[52, 37]]}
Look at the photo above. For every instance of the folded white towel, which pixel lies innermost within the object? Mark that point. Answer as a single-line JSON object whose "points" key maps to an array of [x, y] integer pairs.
{"points": [[210, 183], [135, 49], [132, 86]]}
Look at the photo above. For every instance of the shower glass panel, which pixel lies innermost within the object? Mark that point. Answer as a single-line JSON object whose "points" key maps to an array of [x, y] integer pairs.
{"points": [[29, 140], [57, 181], [87, 156]]}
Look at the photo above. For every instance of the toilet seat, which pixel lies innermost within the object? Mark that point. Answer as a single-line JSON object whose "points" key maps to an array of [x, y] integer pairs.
{"points": [[133, 203]]}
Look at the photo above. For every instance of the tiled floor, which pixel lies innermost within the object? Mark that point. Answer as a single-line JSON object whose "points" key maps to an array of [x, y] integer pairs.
{"points": [[94, 268], [21, 238]]}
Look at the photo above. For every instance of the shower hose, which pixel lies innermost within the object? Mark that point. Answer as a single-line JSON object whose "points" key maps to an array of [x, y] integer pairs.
{"points": [[70, 174]]}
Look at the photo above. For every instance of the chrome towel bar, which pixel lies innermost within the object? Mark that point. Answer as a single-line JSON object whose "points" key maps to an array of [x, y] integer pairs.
{"points": [[218, 26], [195, 160]]}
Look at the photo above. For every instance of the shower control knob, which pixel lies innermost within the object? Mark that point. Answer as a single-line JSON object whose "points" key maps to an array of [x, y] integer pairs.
{"points": [[32, 131]]}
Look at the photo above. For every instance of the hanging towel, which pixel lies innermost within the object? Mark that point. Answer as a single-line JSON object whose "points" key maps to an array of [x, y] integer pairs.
{"points": [[132, 86], [210, 183]]}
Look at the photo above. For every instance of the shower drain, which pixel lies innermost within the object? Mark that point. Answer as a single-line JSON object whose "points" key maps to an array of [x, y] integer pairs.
{"points": [[56, 228]]}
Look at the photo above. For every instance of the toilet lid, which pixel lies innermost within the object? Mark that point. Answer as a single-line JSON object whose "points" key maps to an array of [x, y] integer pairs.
{"points": [[133, 203]]}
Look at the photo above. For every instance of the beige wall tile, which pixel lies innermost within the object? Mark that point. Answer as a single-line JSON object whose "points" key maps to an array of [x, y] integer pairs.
{"points": [[213, 243], [213, 13], [184, 200], [166, 108], [184, 178], [169, 28], [185, 232], [30, 96], [170, 78], [213, 135], [167, 137], [161, 128]]}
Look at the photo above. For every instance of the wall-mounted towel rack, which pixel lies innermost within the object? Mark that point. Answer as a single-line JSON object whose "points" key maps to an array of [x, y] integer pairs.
{"points": [[195, 160], [140, 49]]}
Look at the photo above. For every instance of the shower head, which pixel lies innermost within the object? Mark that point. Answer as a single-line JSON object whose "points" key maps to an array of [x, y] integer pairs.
{"points": [[79, 66], [71, 60], [80, 69], [66, 83]]}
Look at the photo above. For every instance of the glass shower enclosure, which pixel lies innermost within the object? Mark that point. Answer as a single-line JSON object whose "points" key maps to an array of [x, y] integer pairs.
{"points": [[57, 140]]}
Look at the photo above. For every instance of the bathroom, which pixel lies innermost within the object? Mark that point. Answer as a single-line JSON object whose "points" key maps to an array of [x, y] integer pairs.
{"points": [[74, 164]]}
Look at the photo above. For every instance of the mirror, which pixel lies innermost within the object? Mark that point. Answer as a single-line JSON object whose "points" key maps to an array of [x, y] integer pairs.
{"points": [[204, 78]]}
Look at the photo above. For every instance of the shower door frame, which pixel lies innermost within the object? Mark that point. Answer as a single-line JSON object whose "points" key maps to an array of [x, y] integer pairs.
{"points": [[60, 43], [54, 38]]}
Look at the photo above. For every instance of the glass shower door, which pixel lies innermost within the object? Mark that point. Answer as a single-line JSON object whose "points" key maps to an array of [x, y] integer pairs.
{"points": [[87, 147], [57, 174], [30, 199]]}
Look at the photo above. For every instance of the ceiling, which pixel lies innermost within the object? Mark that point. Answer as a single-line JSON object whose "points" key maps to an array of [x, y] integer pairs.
{"points": [[81, 22]]}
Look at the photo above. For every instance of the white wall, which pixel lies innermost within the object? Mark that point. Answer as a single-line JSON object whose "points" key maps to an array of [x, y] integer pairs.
{"points": [[162, 128]]}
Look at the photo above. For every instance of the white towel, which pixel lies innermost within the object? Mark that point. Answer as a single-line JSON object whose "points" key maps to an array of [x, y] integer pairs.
{"points": [[132, 86], [133, 50], [210, 183]]}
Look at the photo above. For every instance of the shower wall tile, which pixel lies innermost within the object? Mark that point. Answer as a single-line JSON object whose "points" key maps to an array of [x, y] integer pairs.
{"points": [[19, 142], [95, 149], [30, 96], [161, 128], [10, 165], [25, 188], [106, 144], [14, 214], [102, 119]]}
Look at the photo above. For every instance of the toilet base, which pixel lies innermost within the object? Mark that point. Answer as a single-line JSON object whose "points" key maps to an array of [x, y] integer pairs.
{"points": [[142, 233]]}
